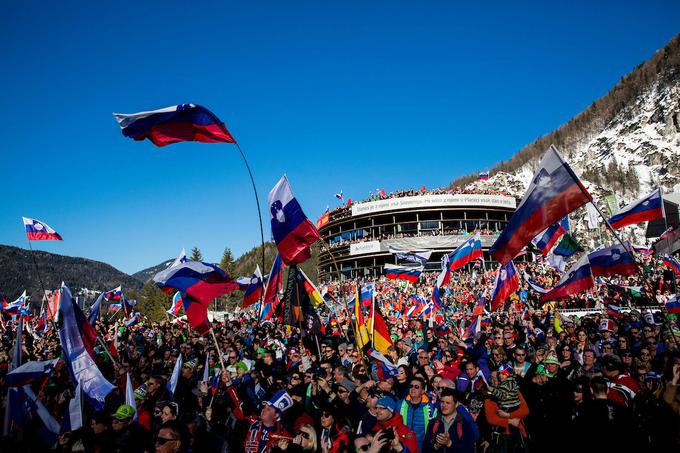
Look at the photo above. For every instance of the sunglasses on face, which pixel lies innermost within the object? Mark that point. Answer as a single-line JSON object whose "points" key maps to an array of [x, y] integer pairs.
{"points": [[415, 386], [305, 435], [326, 414], [341, 390], [163, 440], [363, 448]]}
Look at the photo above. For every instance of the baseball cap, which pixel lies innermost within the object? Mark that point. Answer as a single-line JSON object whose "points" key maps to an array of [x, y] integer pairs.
{"points": [[124, 412]]}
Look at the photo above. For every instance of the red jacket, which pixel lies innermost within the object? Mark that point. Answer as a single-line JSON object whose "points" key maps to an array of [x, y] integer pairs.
{"points": [[406, 436]]}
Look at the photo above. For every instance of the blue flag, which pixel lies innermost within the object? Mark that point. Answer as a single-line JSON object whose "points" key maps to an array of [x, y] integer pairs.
{"points": [[93, 317]]}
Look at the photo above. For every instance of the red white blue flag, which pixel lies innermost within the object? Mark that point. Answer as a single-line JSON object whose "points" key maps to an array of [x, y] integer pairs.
{"points": [[409, 274], [578, 279], [642, 210], [199, 281], [174, 124], [176, 304], [253, 293], [114, 294], [614, 260], [468, 251], [507, 282], [672, 263], [293, 232], [673, 305], [483, 175], [554, 192], [40, 231], [614, 311]]}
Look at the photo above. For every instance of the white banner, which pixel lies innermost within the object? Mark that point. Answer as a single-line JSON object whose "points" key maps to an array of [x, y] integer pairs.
{"points": [[593, 222], [431, 201], [364, 247]]}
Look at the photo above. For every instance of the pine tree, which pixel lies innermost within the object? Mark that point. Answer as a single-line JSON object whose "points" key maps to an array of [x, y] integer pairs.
{"points": [[196, 254], [153, 302], [227, 262]]}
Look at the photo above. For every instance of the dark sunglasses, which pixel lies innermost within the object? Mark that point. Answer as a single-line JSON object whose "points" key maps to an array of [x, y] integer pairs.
{"points": [[363, 448], [414, 386], [163, 440], [326, 414], [305, 435]]}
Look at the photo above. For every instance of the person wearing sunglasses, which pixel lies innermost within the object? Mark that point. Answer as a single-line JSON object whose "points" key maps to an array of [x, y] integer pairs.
{"points": [[417, 409], [170, 438], [333, 438]]}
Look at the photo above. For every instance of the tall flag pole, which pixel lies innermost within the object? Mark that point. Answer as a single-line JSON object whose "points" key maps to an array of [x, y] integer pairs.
{"points": [[184, 123], [37, 230]]}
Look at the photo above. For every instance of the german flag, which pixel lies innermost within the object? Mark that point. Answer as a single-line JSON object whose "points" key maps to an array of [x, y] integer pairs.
{"points": [[380, 332]]}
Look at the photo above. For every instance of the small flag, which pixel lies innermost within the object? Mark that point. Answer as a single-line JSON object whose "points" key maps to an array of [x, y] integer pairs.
{"points": [[468, 251], [507, 282], [568, 246], [174, 124], [253, 292], [483, 175], [547, 238], [40, 231], [199, 281], [418, 257], [614, 311], [30, 372], [293, 232], [176, 305], [645, 209], [409, 274], [339, 195], [93, 317], [130, 395], [114, 294], [174, 379], [673, 305]]}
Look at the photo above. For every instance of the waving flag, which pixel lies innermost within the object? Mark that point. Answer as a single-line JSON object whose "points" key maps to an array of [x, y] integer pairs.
{"points": [[535, 286], [130, 395], [17, 305], [642, 210], [473, 328], [339, 195], [417, 257], [507, 282], [292, 230], [614, 260], [384, 367], [76, 336], [114, 294], [380, 334], [174, 124], [197, 314], [479, 306], [578, 279], [95, 310], [614, 311], [133, 320], [40, 231], [314, 294], [200, 281], [73, 419], [468, 251], [554, 192], [176, 305], [672, 263], [115, 307], [673, 305], [52, 300], [567, 246], [38, 418], [174, 379], [275, 282], [483, 175], [30, 372], [409, 274], [550, 235], [253, 293]]}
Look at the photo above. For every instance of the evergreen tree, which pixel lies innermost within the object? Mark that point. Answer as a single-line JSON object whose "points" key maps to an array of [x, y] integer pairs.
{"points": [[153, 302], [196, 254], [227, 262]]}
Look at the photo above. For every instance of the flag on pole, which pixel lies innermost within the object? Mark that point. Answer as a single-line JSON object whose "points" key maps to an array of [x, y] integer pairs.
{"points": [[648, 208], [568, 246], [672, 263], [410, 274], [114, 294], [95, 310], [37, 230], [547, 238], [17, 305], [339, 196], [174, 124], [614, 311], [174, 379], [673, 305], [507, 282], [199, 281], [311, 289], [253, 292], [176, 304], [73, 419], [292, 230], [469, 251], [554, 192], [30, 372], [614, 260], [483, 175], [578, 279]]}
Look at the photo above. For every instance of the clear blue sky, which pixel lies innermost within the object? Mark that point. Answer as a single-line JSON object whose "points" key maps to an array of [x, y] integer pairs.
{"points": [[338, 95]]}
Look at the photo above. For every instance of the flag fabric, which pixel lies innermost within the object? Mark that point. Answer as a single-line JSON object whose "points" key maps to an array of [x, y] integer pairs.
{"points": [[114, 294], [134, 319], [673, 305], [468, 251], [483, 175], [253, 292], [199, 281], [76, 344], [312, 291], [176, 304], [95, 310], [548, 237], [535, 286], [479, 306], [614, 311], [593, 217], [614, 260], [578, 279], [323, 220], [299, 311], [181, 258], [293, 232], [174, 378], [418, 257], [671, 263], [473, 328], [385, 368], [115, 307], [275, 282], [73, 419], [380, 334], [648, 208], [568, 246], [130, 395], [41, 421], [52, 304], [507, 282], [339, 196], [174, 124], [361, 331], [37, 230], [18, 304], [445, 275], [197, 314], [409, 274], [206, 369], [30, 372], [554, 192]]}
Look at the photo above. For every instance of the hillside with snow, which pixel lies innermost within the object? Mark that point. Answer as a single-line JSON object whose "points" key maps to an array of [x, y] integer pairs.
{"points": [[626, 143]]}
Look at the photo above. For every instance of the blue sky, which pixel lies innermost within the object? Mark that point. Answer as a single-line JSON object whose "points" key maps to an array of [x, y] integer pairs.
{"points": [[337, 95]]}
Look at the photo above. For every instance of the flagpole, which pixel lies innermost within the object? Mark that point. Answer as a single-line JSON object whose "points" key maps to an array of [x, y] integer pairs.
{"points": [[373, 317], [217, 346], [37, 270], [257, 198], [337, 270]]}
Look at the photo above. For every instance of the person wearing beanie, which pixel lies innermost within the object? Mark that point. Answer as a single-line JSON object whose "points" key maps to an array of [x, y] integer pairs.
{"points": [[506, 393], [402, 438]]}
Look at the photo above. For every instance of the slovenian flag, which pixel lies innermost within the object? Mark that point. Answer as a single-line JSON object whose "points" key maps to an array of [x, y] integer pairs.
{"points": [[554, 192], [114, 294], [507, 282], [293, 232], [578, 279], [17, 305], [30, 372], [614, 260], [642, 210], [548, 237], [176, 304], [614, 311], [473, 328], [253, 292], [672, 305], [672, 263], [410, 274], [174, 124], [200, 281], [468, 251], [40, 231], [483, 175]]}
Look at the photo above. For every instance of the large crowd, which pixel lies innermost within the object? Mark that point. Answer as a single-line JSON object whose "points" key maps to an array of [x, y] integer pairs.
{"points": [[531, 378]]}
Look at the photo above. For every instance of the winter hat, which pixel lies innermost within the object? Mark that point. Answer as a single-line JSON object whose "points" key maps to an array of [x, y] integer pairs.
{"points": [[388, 403], [281, 401], [551, 359]]}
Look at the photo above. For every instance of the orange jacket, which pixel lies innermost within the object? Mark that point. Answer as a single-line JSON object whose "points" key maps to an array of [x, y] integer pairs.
{"points": [[491, 411]]}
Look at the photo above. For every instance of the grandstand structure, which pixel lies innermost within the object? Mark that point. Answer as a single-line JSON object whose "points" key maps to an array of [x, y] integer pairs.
{"points": [[359, 237]]}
